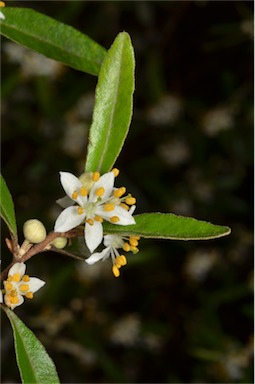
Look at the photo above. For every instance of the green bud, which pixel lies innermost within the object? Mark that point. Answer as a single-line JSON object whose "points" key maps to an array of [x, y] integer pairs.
{"points": [[34, 231], [59, 242]]}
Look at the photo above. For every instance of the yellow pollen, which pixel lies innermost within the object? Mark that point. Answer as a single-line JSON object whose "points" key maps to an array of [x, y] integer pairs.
{"points": [[90, 221], [134, 249], [130, 200], [26, 278], [109, 207], [95, 176], [126, 247], [29, 295], [10, 278], [136, 237], [121, 260], [116, 172], [100, 191], [83, 191], [8, 286], [114, 219], [24, 287], [74, 195], [133, 242], [13, 293], [14, 300], [124, 206], [80, 210], [16, 277], [98, 218], [2, 4], [115, 270], [119, 192], [118, 265]]}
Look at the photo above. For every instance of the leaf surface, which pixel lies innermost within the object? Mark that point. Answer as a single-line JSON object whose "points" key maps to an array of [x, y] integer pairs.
{"points": [[7, 208]]}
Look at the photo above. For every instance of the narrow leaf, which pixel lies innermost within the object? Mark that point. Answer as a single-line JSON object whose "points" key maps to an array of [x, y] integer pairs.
{"points": [[7, 207], [113, 106], [34, 363], [52, 38], [169, 226]]}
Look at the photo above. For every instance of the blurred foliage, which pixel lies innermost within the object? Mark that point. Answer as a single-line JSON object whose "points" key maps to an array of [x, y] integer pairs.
{"points": [[181, 311]]}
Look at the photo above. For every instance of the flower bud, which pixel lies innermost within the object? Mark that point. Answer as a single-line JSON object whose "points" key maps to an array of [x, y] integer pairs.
{"points": [[34, 231], [59, 242]]}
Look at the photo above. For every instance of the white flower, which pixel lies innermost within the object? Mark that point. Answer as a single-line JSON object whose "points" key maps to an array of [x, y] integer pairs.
{"points": [[101, 201], [112, 243], [19, 285]]}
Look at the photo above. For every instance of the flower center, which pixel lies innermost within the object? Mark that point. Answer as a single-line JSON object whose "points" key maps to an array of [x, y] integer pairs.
{"points": [[90, 209]]}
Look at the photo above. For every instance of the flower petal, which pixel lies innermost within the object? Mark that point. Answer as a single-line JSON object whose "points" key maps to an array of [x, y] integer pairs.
{"points": [[18, 268], [12, 306], [106, 181], [98, 256], [70, 183], [65, 202], [35, 284], [93, 235], [68, 219], [125, 217]]}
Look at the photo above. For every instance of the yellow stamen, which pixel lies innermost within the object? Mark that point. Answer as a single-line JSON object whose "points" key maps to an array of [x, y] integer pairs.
{"points": [[125, 206], [10, 278], [119, 192], [114, 219], [80, 210], [8, 286], [109, 207], [134, 250], [26, 278], [100, 191], [24, 287], [90, 221], [16, 277], [14, 300], [13, 293], [95, 176], [121, 260], [74, 195], [118, 265], [130, 200], [29, 295], [136, 237], [98, 218], [133, 242], [126, 247], [115, 270], [83, 191], [2, 4], [116, 172]]}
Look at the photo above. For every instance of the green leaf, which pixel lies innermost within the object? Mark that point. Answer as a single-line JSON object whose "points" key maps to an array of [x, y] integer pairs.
{"points": [[52, 38], [7, 208], [113, 106], [34, 363], [169, 226]]}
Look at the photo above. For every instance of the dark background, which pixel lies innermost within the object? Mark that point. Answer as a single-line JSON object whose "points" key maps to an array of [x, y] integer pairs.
{"points": [[181, 311]]}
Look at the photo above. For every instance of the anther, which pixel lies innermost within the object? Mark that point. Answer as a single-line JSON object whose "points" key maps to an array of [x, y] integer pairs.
{"points": [[74, 195], [80, 210], [10, 278], [83, 191], [133, 242], [98, 218], [14, 300], [26, 278], [121, 260], [116, 172], [100, 191], [8, 286], [2, 4], [24, 287], [124, 206], [130, 200], [114, 219], [13, 293], [109, 207], [115, 270], [134, 250], [95, 176], [90, 221], [126, 247], [16, 277], [29, 295], [119, 192]]}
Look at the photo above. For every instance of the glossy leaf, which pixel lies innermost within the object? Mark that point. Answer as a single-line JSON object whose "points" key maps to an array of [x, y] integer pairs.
{"points": [[113, 106], [7, 207], [34, 363], [52, 38], [169, 226]]}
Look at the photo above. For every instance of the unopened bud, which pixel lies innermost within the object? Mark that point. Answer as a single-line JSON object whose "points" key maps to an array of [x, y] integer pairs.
{"points": [[34, 231], [59, 242]]}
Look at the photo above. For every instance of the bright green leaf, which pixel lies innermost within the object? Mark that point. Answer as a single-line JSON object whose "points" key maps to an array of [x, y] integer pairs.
{"points": [[7, 208], [34, 363], [113, 106], [52, 38], [169, 226]]}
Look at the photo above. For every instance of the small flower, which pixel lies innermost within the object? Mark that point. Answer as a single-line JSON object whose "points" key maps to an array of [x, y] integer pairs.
{"points": [[95, 202], [19, 285], [112, 243], [2, 5]]}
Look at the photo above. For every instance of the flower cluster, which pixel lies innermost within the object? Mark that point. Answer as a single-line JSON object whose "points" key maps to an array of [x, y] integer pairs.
{"points": [[91, 199], [19, 285]]}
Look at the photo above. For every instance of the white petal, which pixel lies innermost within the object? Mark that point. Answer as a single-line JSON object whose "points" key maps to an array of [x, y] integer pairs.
{"points": [[70, 183], [132, 209], [1, 296], [68, 219], [93, 235], [65, 202], [106, 181], [18, 268], [98, 256], [2, 16], [12, 306], [125, 216], [35, 284]]}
